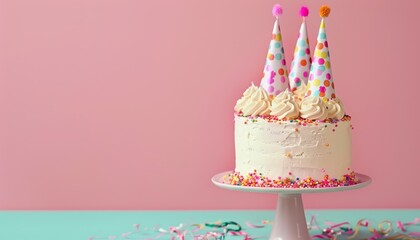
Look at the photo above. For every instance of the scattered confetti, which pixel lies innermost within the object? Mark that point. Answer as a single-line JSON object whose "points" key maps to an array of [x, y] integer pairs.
{"points": [[362, 229]]}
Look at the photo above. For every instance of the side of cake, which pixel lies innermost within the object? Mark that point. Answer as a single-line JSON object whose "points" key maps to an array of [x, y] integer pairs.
{"points": [[289, 149], [297, 138]]}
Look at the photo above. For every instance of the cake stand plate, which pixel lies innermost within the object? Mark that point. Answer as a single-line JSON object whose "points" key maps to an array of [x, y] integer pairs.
{"points": [[289, 221]]}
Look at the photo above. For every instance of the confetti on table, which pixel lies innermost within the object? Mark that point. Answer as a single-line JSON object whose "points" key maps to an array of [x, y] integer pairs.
{"points": [[362, 229]]}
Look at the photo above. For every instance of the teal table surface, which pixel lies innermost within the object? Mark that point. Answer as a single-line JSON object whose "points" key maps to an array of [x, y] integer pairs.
{"points": [[73, 225]]}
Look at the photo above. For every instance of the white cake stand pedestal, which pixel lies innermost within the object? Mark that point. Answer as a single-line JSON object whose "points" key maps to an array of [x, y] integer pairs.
{"points": [[289, 221]]}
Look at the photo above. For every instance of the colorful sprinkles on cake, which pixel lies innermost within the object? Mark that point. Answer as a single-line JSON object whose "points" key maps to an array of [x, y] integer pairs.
{"points": [[256, 179], [299, 120]]}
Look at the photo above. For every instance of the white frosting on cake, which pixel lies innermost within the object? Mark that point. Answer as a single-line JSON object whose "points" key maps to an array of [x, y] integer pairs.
{"points": [[335, 108], [313, 108], [245, 97], [257, 104], [284, 106], [280, 148]]}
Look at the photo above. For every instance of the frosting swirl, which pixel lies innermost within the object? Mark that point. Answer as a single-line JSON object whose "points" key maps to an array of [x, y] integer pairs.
{"points": [[257, 104], [335, 108], [245, 97], [313, 108], [284, 106]]}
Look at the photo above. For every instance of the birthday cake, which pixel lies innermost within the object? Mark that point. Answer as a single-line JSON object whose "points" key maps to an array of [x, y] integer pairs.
{"points": [[292, 130]]}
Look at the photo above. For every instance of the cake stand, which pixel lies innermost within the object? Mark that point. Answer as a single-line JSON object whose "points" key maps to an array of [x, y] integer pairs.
{"points": [[289, 221]]}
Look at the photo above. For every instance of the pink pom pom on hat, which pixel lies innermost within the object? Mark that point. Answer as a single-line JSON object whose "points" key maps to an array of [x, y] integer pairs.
{"points": [[304, 11], [277, 10]]}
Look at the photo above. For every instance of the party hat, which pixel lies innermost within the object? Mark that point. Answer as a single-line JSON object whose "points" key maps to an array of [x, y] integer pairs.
{"points": [[320, 82], [299, 70], [275, 71]]}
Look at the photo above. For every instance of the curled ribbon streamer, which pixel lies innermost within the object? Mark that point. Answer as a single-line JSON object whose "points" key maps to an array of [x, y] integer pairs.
{"points": [[360, 223], [332, 231], [207, 236], [225, 224], [336, 225], [322, 236], [212, 235], [251, 225], [240, 233], [416, 221], [197, 226], [400, 225], [384, 230]]}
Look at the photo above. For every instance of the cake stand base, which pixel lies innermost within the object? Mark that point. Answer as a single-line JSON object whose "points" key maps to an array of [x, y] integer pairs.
{"points": [[289, 220]]}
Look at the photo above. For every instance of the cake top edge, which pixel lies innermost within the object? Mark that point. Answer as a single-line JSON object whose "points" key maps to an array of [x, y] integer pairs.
{"points": [[299, 120]]}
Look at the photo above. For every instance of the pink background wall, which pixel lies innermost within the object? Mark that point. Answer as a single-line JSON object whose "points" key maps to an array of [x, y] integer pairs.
{"points": [[129, 104]]}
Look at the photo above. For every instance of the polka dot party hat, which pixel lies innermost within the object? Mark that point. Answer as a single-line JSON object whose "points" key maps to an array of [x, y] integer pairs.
{"points": [[275, 78], [299, 70], [320, 82]]}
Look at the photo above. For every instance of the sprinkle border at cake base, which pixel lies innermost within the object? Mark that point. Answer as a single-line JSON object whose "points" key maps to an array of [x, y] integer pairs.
{"points": [[256, 179]]}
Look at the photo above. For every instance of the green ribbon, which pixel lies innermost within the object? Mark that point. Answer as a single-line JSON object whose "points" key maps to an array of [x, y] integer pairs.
{"points": [[224, 225]]}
